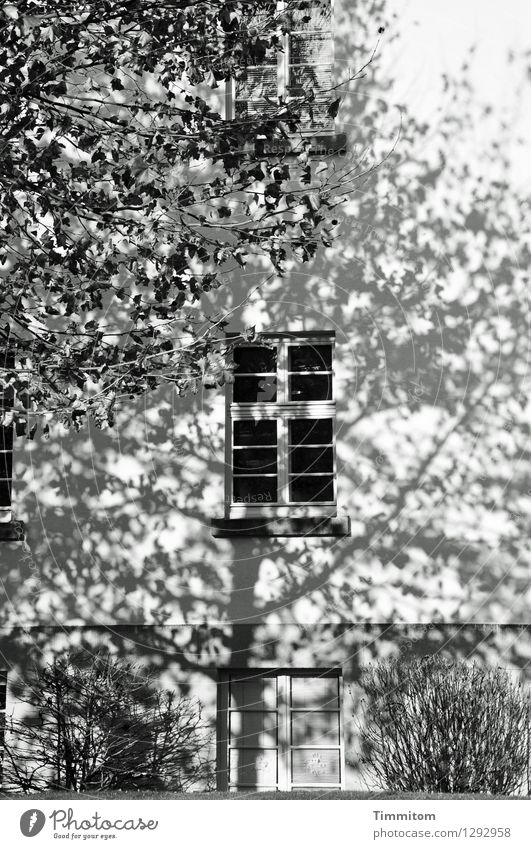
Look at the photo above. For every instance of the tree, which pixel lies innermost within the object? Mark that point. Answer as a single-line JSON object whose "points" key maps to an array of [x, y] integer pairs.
{"points": [[98, 723], [436, 726], [126, 197]]}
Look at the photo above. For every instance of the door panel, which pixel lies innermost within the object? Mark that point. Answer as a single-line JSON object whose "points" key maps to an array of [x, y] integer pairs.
{"points": [[315, 766], [314, 728], [253, 767]]}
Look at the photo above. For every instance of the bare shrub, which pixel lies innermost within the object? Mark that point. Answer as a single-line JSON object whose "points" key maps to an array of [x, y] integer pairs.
{"points": [[96, 723], [431, 725]]}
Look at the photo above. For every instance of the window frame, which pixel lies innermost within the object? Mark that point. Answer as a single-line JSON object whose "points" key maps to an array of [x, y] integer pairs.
{"points": [[284, 710], [283, 77], [283, 411]]}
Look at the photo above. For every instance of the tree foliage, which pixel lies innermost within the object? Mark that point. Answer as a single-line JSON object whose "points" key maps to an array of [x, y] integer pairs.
{"points": [[98, 723], [126, 197], [436, 726]]}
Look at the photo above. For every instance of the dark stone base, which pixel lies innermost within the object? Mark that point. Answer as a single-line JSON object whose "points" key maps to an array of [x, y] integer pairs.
{"points": [[314, 526]]}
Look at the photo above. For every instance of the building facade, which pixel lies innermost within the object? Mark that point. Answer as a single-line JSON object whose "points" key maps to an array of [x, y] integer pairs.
{"points": [[259, 546]]}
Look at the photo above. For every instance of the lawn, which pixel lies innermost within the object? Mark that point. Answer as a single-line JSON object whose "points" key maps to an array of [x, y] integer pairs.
{"points": [[346, 795]]}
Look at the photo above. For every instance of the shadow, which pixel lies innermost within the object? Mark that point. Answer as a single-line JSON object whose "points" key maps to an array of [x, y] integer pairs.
{"points": [[426, 290]]}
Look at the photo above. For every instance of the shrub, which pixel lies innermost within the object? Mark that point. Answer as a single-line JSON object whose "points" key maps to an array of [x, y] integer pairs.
{"points": [[95, 723], [432, 725]]}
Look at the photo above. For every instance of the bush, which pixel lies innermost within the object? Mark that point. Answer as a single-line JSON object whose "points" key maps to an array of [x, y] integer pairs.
{"points": [[431, 725], [97, 723]]}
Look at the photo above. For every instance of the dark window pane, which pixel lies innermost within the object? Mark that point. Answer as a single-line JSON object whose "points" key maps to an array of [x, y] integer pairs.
{"points": [[305, 489], [261, 389], [311, 431], [7, 394], [312, 460], [5, 493], [257, 490], [262, 432], [310, 358], [6, 438], [310, 387], [259, 460], [6, 464], [255, 360]]}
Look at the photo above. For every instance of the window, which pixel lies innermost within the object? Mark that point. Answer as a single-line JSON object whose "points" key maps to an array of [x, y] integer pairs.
{"points": [[302, 66], [280, 428], [280, 730]]}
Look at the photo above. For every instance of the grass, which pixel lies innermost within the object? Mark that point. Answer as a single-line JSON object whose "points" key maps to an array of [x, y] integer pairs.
{"points": [[296, 795]]}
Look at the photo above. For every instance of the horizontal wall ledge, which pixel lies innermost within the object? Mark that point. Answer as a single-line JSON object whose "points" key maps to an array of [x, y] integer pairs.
{"points": [[11, 531], [308, 526]]}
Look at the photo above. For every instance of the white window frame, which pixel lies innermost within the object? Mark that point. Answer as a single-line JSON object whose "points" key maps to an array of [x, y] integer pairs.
{"points": [[283, 66], [284, 748], [283, 410]]}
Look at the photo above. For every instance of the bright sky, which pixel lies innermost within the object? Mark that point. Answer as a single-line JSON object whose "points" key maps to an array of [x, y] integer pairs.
{"points": [[435, 38]]}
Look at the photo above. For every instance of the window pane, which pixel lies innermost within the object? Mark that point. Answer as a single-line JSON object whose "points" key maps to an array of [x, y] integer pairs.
{"points": [[304, 77], [318, 119], [255, 360], [253, 692], [254, 108], [314, 729], [260, 82], [312, 460], [6, 464], [315, 692], [255, 389], [311, 49], [263, 460], [263, 17], [310, 358], [6, 438], [310, 387], [261, 432], [316, 15], [253, 729], [311, 431], [258, 490], [5, 493], [253, 767], [317, 766], [304, 488]]}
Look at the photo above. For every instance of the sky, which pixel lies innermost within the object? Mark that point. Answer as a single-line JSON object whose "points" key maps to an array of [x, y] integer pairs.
{"points": [[435, 38]]}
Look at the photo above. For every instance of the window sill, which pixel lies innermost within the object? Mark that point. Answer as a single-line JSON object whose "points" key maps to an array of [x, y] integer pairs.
{"points": [[310, 526], [11, 531]]}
